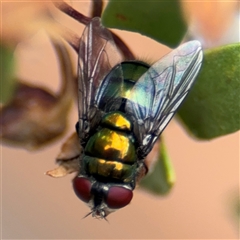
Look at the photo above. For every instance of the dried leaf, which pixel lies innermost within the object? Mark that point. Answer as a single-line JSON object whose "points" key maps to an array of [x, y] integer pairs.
{"points": [[65, 168], [70, 149], [34, 116], [68, 158]]}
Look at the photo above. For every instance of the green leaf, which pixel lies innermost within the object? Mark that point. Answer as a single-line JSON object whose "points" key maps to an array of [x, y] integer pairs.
{"points": [[7, 74], [212, 108], [160, 20], [162, 178]]}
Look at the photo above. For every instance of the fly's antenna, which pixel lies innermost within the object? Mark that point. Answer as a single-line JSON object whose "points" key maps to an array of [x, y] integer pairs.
{"points": [[88, 214], [105, 218]]}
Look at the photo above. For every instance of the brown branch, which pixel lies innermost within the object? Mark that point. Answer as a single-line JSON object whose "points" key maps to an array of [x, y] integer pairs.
{"points": [[96, 9], [72, 39], [64, 7], [126, 52]]}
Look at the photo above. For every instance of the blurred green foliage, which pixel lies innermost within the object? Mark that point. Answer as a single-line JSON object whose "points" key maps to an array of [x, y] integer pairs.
{"points": [[7, 74]]}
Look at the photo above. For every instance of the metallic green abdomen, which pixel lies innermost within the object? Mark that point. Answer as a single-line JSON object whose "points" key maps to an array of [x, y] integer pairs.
{"points": [[109, 169], [111, 145], [111, 152]]}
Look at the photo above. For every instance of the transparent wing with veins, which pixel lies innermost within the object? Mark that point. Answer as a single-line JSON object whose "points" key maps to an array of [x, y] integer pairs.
{"points": [[97, 56], [159, 92]]}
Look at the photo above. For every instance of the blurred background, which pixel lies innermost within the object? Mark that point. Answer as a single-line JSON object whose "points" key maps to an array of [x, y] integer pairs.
{"points": [[202, 205]]}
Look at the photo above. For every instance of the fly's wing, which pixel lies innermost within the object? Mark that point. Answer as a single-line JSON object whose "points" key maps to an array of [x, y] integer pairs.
{"points": [[97, 56], [158, 93]]}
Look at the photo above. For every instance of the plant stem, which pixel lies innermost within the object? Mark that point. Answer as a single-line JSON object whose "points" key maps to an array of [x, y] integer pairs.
{"points": [[96, 8], [64, 7]]}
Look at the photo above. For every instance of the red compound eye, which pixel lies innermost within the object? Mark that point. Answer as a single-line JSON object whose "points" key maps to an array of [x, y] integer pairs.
{"points": [[82, 188], [118, 197]]}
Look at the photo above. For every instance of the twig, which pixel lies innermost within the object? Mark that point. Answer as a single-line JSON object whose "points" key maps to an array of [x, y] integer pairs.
{"points": [[64, 7], [96, 9]]}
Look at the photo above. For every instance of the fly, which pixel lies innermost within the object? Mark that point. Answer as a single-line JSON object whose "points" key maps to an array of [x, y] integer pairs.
{"points": [[123, 108]]}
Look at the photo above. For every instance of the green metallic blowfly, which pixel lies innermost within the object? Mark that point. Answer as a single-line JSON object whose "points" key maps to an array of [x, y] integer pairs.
{"points": [[123, 108]]}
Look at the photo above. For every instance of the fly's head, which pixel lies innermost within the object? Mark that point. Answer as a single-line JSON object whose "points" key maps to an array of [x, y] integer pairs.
{"points": [[102, 198]]}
